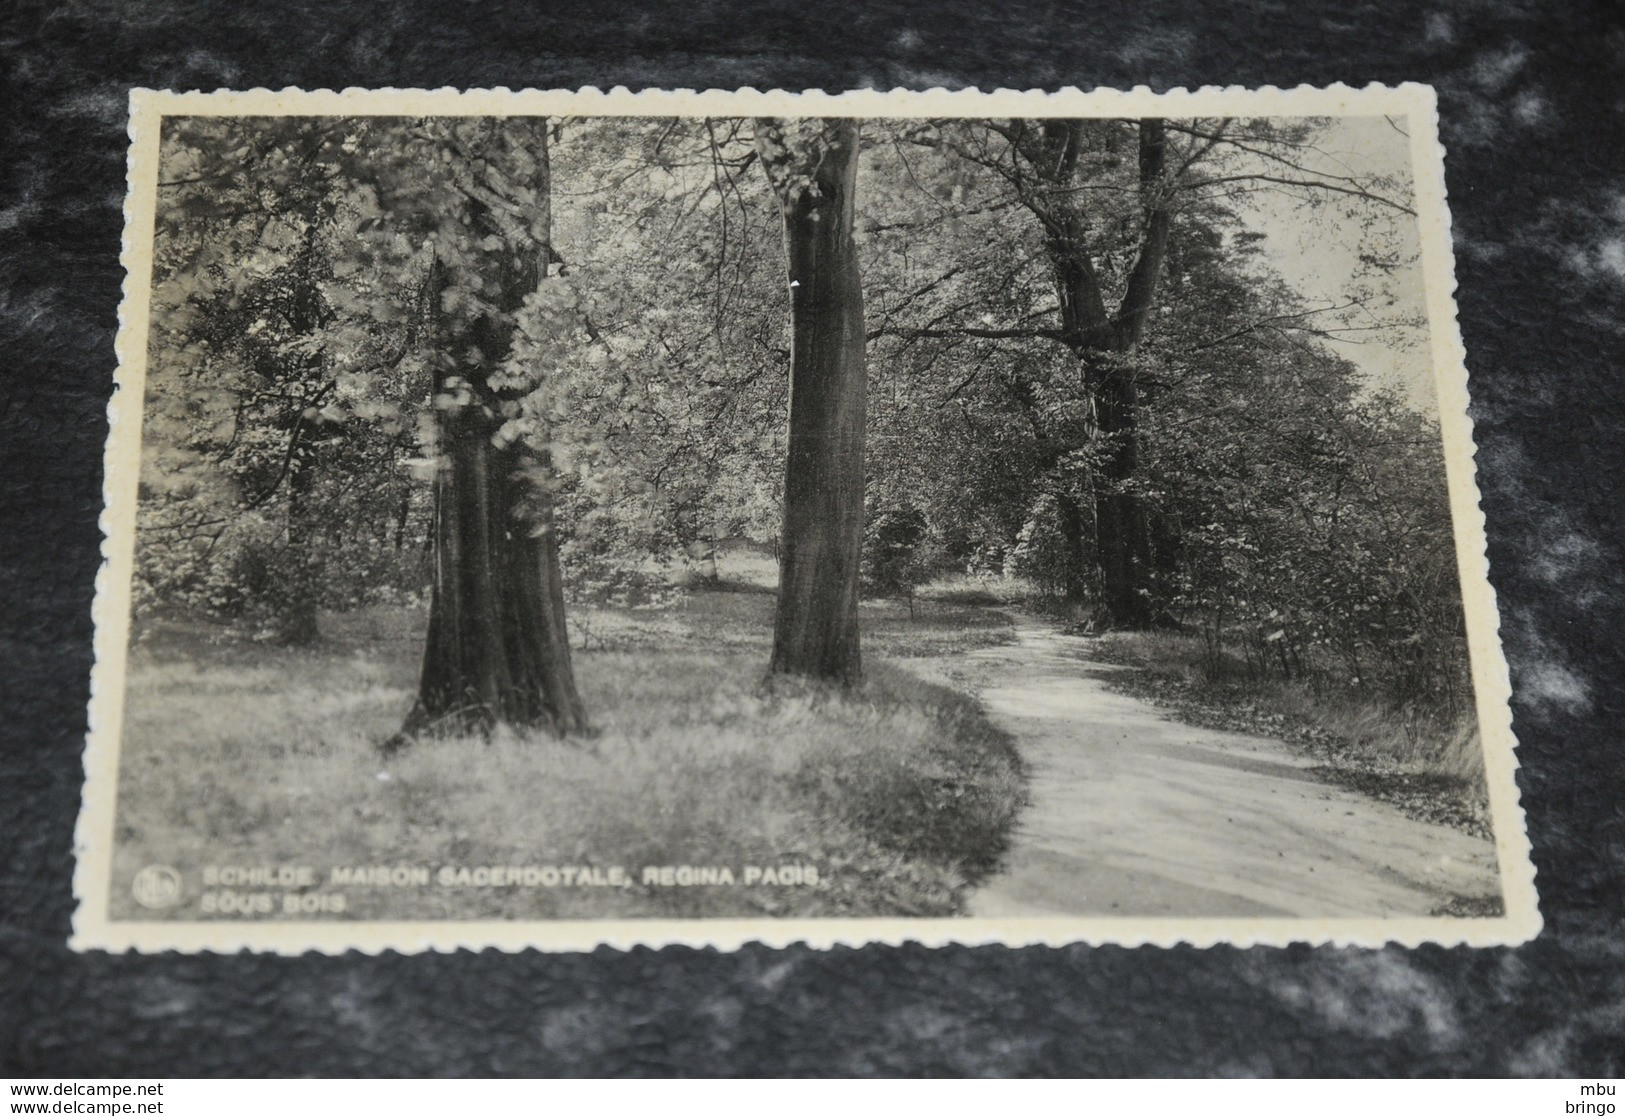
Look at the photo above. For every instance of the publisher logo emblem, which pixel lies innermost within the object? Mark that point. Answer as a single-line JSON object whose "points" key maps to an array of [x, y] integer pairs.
{"points": [[157, 886]]}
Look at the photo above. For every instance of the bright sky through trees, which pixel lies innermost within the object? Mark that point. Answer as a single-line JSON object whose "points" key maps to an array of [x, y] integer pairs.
{"points": [[1317, 256]]}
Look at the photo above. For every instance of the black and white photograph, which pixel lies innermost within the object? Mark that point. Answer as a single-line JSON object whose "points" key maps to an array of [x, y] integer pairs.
{"points": [[561, 519]]}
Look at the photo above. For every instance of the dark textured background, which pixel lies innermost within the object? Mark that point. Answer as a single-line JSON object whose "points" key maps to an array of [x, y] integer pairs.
{"points": [[1531, 104]]}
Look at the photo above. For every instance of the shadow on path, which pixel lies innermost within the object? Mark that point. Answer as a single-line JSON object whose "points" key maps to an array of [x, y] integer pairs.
{"points": [[1135, 814]]}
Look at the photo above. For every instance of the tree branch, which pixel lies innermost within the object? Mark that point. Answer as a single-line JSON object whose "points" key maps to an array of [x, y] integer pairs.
{"points": [[966, 331], [1139, 293], [1307, 184], [293, 445], [1253, 327]]}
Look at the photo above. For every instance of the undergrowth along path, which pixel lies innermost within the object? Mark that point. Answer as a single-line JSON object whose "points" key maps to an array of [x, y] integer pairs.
{"points": [[1133, 813]]}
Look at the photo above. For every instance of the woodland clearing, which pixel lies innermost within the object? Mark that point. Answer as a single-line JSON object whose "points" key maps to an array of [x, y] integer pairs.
{"points": [[989, 765], [902, 793]]}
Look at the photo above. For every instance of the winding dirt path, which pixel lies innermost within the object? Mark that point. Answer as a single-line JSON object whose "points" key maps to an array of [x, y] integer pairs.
{"points": [[1136, 814]]}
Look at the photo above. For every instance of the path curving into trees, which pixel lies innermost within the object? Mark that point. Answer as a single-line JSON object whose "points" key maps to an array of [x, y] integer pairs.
{"points": [[1133, 813]]}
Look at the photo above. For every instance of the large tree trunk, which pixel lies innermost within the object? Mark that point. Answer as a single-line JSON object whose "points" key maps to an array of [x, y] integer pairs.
{"points": [[813, 167], [1122, 551], [1099, 339], [497, 651], [1122, 528]]}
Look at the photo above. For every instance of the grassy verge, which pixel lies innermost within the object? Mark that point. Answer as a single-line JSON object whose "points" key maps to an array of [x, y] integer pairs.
{"points": [[900, 794], [1430, 771]]}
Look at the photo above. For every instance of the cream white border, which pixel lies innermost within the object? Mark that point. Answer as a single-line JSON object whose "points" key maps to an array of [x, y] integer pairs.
{"points": [[93, 842]]}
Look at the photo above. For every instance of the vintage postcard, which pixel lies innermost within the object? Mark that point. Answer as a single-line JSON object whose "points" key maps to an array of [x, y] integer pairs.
{"points": [[558, 519]]}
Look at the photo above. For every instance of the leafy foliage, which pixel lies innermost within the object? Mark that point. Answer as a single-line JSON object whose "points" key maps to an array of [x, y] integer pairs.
{"points": [[1293, 510]]}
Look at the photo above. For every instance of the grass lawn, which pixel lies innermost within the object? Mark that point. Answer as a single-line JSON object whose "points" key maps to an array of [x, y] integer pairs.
{"points": [[245, 754]]}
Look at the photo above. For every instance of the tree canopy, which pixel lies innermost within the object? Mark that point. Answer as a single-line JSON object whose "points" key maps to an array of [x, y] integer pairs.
{"points": [[1085, 365]]}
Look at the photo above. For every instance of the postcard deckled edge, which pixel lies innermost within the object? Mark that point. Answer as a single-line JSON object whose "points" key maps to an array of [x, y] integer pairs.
{"points": [[110, 608], [1492, 681], [93, 839]]}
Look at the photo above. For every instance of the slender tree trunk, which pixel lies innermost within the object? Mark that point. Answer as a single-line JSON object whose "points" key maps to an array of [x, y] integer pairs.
{"points": [[402, 511], [1167, 555], [498, 650], [296, 623], [1075, 577], [813, 168]]}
